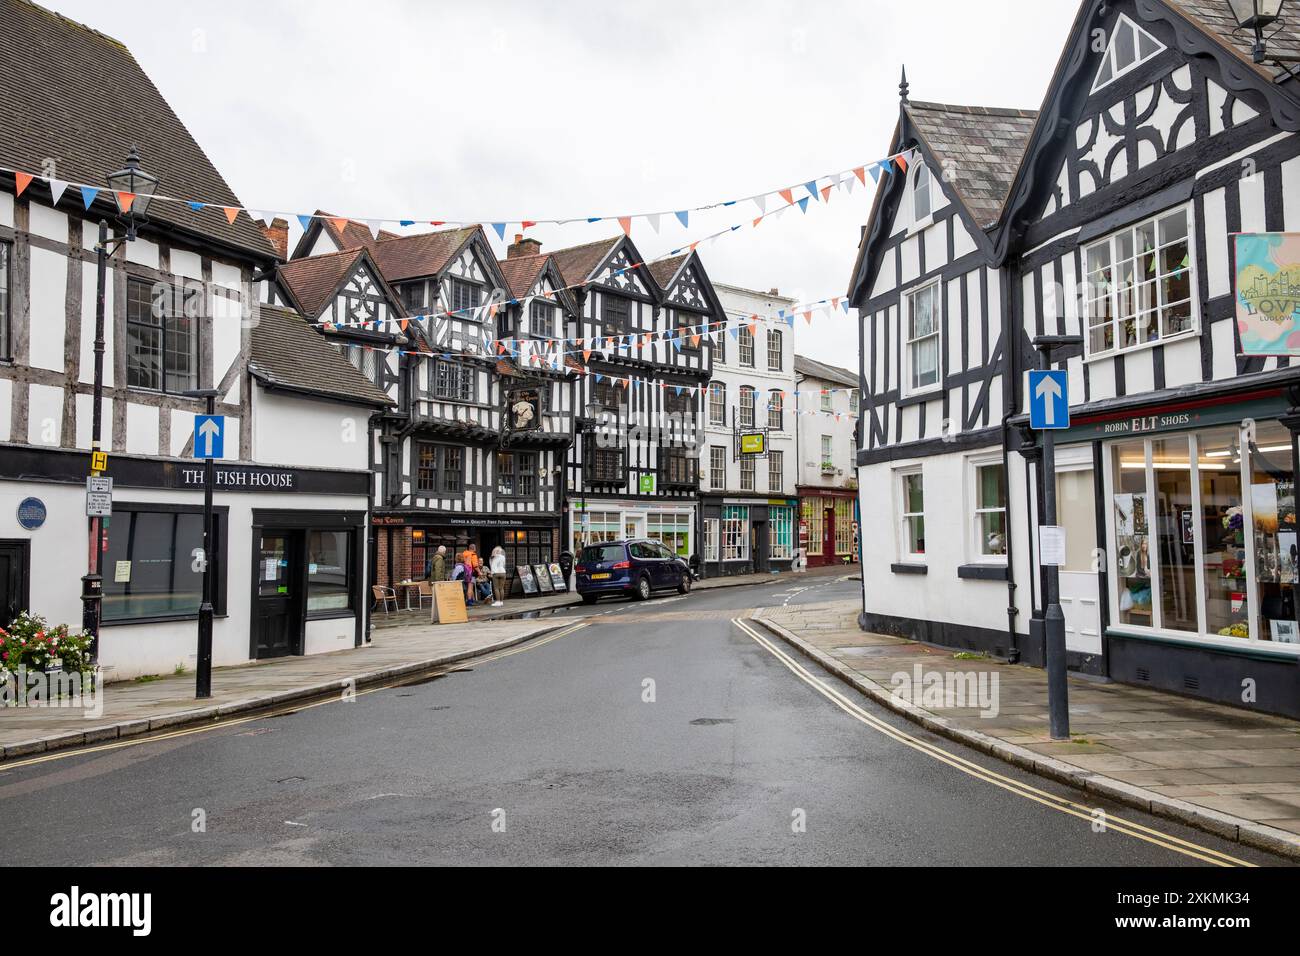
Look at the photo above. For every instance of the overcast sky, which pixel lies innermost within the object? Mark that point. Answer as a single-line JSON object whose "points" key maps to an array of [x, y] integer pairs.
{"points": [[496, 110]]}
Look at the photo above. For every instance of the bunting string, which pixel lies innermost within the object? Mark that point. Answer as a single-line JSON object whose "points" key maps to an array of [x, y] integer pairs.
{"points": [[817, 189]]}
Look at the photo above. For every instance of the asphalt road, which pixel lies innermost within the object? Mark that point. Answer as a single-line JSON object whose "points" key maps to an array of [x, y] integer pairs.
{"points": [[552, 754]]}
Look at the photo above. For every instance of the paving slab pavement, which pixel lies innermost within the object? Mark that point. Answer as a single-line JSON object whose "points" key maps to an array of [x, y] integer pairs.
{"points": [[1223, 769]]}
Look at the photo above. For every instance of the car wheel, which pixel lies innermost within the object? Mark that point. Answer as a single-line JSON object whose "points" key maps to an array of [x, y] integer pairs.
{"points": [[642, 592], [684, 586], [590, 598]]}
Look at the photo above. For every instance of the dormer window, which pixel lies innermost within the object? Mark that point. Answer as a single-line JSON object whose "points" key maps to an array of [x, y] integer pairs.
{"points": [[921, 193], [541, 319], [1130, 46]]}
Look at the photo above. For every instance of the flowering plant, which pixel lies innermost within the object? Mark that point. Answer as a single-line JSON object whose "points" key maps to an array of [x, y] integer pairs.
{"points": [[33, 643]]}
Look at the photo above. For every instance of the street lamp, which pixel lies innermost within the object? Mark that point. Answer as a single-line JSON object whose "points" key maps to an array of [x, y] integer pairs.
{"points": [[1256, 15], [135, 188], [132, 181]]}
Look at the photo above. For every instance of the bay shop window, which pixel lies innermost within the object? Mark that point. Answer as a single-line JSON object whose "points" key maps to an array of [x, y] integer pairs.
{"points": [[1202, 531]]}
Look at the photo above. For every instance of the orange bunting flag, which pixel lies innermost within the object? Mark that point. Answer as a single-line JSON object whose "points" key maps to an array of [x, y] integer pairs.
{"points": [[787, 195], [757, 221], [501, 348], [404, 323], [231, 213], [861, 173], [902, 162], [626, 223], [826, 192], [647, 339], [695, 340], [23, 180], [807, 317], [526, 223], [586, 355], [339, 223], [124, 201], [835, 302]]}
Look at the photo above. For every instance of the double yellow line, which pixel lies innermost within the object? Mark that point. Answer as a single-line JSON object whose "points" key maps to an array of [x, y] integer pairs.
{"points": [[224, 722], [1060, 804]]}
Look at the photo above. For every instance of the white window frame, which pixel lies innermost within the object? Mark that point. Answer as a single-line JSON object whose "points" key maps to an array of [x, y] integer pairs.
{"points": [[826, 399], [905, 553], [974, 545], [909, 341], [748, 414], [745, 346], [748, 475], [775, 469], [735, 529], [1108, 57], [774, 337], [1091, 294], [711, 538], [718, 390], [781, 519], [716, 453]]}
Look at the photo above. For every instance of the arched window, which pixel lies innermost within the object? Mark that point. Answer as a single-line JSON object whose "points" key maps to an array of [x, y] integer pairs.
{"points": [[747, 401], [921, 192], [717, 404]]}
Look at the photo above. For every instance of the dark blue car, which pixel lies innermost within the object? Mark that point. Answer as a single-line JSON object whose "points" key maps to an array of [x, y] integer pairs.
{"points": [[636, 567]]}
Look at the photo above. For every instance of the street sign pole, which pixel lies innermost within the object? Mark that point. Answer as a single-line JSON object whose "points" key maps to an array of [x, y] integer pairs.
{"points": [[1058, 701], [203, 437]]}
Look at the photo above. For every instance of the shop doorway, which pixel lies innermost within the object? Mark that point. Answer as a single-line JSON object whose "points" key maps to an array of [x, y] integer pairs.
{"points": [[828, 535], [14, 579], [1076, 507], [758, 548], [278, 615]]}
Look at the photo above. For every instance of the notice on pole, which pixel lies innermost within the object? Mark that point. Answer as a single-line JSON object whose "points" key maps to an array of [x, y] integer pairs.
{"points": [[1051, 546]]}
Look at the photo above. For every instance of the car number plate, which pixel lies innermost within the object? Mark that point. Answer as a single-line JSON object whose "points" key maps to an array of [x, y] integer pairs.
{"points": [[601, 577]]}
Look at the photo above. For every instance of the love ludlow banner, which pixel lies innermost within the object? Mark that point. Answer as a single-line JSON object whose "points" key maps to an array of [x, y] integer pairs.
{"points": [[1268, 293]]}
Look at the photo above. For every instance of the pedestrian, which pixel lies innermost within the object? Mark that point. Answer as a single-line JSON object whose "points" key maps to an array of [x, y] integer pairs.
{"points": [[438, 567], [469, 558], [498, 567]]}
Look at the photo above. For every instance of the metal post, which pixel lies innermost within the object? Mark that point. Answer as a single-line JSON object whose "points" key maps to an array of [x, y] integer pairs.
{"points": [[203, 676], [1058, 702], [92, 585]]}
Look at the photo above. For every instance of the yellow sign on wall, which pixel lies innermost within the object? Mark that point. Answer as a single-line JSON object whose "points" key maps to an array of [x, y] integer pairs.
{"points": [[753, 444]]}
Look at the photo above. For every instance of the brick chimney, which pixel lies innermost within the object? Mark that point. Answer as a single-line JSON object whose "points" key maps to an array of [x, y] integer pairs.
{"points": [[775, 293], [278, 233], [522, 247]]}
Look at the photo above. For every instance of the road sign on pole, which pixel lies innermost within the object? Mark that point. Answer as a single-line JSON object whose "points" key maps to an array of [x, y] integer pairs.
{"points": [[1049, 400], [209, 436]]}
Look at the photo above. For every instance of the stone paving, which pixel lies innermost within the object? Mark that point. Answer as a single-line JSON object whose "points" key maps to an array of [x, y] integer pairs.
{"points": [[1222, 758]]}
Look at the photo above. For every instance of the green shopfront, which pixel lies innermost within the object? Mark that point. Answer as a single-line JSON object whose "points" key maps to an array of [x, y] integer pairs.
{"points": [[1196, 545]]}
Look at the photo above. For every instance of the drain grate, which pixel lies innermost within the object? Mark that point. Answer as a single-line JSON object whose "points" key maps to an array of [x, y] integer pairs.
{"points": [[711, 721]]}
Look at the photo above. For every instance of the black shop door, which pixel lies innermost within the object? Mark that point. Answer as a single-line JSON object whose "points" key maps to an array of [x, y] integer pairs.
{"points": [[13, 580], [278, 615]]}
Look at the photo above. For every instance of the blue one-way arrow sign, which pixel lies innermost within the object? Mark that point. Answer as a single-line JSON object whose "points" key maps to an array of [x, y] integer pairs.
{"points": [[209, 436], [1049, 400]]}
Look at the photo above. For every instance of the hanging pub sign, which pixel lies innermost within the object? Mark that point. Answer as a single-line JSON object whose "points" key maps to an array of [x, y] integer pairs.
{"points": [[1268, 292], [523, 410]]}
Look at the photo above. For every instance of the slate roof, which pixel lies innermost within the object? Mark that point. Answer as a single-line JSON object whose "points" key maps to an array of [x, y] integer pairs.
{"points": [[74, 95], [286, 352], [981, 146], [414, 257], [312, 280], [827, 373], [1215, 19], [577, 263]]}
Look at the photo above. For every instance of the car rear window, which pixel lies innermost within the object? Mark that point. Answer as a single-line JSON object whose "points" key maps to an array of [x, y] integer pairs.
{"points": [[598, 553]]}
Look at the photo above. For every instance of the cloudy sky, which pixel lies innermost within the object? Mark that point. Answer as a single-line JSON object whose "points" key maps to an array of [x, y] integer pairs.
{"points": [[497, 110]]}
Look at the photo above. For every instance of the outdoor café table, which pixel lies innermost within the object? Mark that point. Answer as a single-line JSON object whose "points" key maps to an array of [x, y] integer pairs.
{"points": [[408, 587]]}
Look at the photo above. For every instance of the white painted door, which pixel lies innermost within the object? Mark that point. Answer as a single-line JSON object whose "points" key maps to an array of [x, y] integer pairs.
{"points": [[1076, 508]]}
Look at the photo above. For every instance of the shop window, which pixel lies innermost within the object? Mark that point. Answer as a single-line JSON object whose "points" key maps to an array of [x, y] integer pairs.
{"points": [[711, 539], [1205, 532], [1139, 285], [735, 533], [329, 571], [599, 526], [843, 526], [912, 515], [780, 533], [162, 336], [150, 564], [814, 516], [990, 513], [775, 471], [440, 469], [924, 340], [671, 529]]}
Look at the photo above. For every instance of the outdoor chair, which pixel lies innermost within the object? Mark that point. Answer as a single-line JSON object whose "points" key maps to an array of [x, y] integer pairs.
{"points": [[384, 596]]}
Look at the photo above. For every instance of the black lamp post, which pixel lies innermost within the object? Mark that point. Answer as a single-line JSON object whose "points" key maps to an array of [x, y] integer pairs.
{"points": [[134, 188], [1256, 16]]}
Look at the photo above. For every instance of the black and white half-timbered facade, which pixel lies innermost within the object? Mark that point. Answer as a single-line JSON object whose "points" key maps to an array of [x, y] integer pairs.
{"points": [[1109, 215], [646, 337], [182, 313], [466, 347]]}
